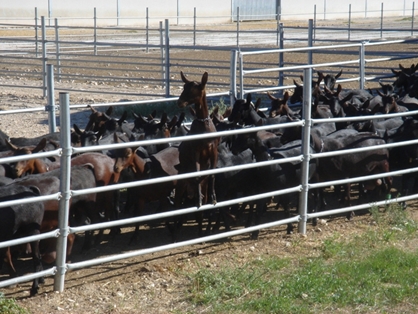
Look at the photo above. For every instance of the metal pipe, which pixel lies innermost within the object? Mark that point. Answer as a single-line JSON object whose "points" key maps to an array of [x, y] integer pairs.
{"points": [[64, 204], [147, 29], [50, 99], [95, 31], [117, 12], [57, 50], [233, 77], [310, 40], [194, 26], [43, 56], [362, 65], [238, 27], [306, 131], [241, 75], [167, 58], [161, 31], [349, 21], [36, 31], [113, 258], [412, 18], [281, 55], [314, 35], [381, 20]]}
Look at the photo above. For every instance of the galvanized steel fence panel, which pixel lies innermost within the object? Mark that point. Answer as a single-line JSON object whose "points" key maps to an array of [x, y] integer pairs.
{"points": [[302, 217]]}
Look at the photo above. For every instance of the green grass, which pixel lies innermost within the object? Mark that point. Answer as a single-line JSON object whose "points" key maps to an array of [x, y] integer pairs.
{"points": [[9, 306], [366, 273]]}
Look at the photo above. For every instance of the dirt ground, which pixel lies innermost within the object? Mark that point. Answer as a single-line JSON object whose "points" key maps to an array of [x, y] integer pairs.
{"points": [[158, 282]]}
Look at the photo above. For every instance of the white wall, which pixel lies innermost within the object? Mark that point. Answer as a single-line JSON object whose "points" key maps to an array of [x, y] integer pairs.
{"points": [[133, 12]]}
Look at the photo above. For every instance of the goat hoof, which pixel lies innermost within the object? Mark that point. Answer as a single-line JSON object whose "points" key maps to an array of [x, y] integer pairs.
{"points": [[34, 291]]}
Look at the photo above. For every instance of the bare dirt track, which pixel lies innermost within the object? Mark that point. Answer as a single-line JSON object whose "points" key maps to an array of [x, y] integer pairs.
{"points": [[158, 282]]}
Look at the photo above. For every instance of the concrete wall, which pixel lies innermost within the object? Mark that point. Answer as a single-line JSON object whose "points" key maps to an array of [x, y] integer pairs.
{"points": [[133, 12]]}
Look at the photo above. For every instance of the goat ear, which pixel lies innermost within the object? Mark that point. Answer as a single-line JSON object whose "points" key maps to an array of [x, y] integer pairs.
{"points": [[92, 109], [339, 74], [183, 78], [204, 80], [271, 96], [76, 129], [11, 145], [41, 145], [123, 118], [109, 110]]}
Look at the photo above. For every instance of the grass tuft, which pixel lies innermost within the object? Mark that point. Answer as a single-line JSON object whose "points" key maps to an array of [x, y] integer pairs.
{"points": [[371, 272], [9, 306]]}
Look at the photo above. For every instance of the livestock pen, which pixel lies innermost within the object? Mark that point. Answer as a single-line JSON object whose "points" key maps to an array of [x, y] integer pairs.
{"points": [[303, 188], [358, 72]]}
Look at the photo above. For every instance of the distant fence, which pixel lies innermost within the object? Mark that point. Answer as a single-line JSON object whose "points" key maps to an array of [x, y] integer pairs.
{"points": [[182, 12], [145, 62]]}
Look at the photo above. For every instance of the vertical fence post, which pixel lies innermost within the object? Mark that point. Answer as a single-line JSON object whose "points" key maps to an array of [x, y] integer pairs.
{"points": [[241, 75], [381, 20], [162, 52], [49, 12], [147, 28], [36, 32], [43, 56], [310, 41], [167, 58], [303, 196], [57, 50], [362, 65], [278, 27], [178, 12], [314, 34], [365, 9], [117, 12], [64, 203], [349, 21], [325, 9], [412, 18], [50, 99], [95, 31], [233, 77], [237, 27], [194, 26], [281, 55]]}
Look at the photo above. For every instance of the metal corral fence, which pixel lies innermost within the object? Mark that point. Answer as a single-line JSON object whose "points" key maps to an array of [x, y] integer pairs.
{"points": [[145, 62], [302, 188]]}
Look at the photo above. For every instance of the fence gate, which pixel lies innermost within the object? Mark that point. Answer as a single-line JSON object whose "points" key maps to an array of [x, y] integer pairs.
{"points": [[253, 10]]}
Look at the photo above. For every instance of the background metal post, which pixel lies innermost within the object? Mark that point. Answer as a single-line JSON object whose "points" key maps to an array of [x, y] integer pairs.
{"points": [[147, 28], [349, 21], [233, 77], [241, 75], [64, 203], [194, 26], [95, 32], [167, 58], [303, 196], [237, 27], [43, 56], [50, 99], [310, 40], [36, 32], [57, 50], [381, 20], [281, 57], [362, 65]]}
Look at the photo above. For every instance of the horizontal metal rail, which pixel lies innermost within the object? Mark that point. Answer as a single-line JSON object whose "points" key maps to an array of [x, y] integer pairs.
{"points": [[14, 281], [113, 258]]}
